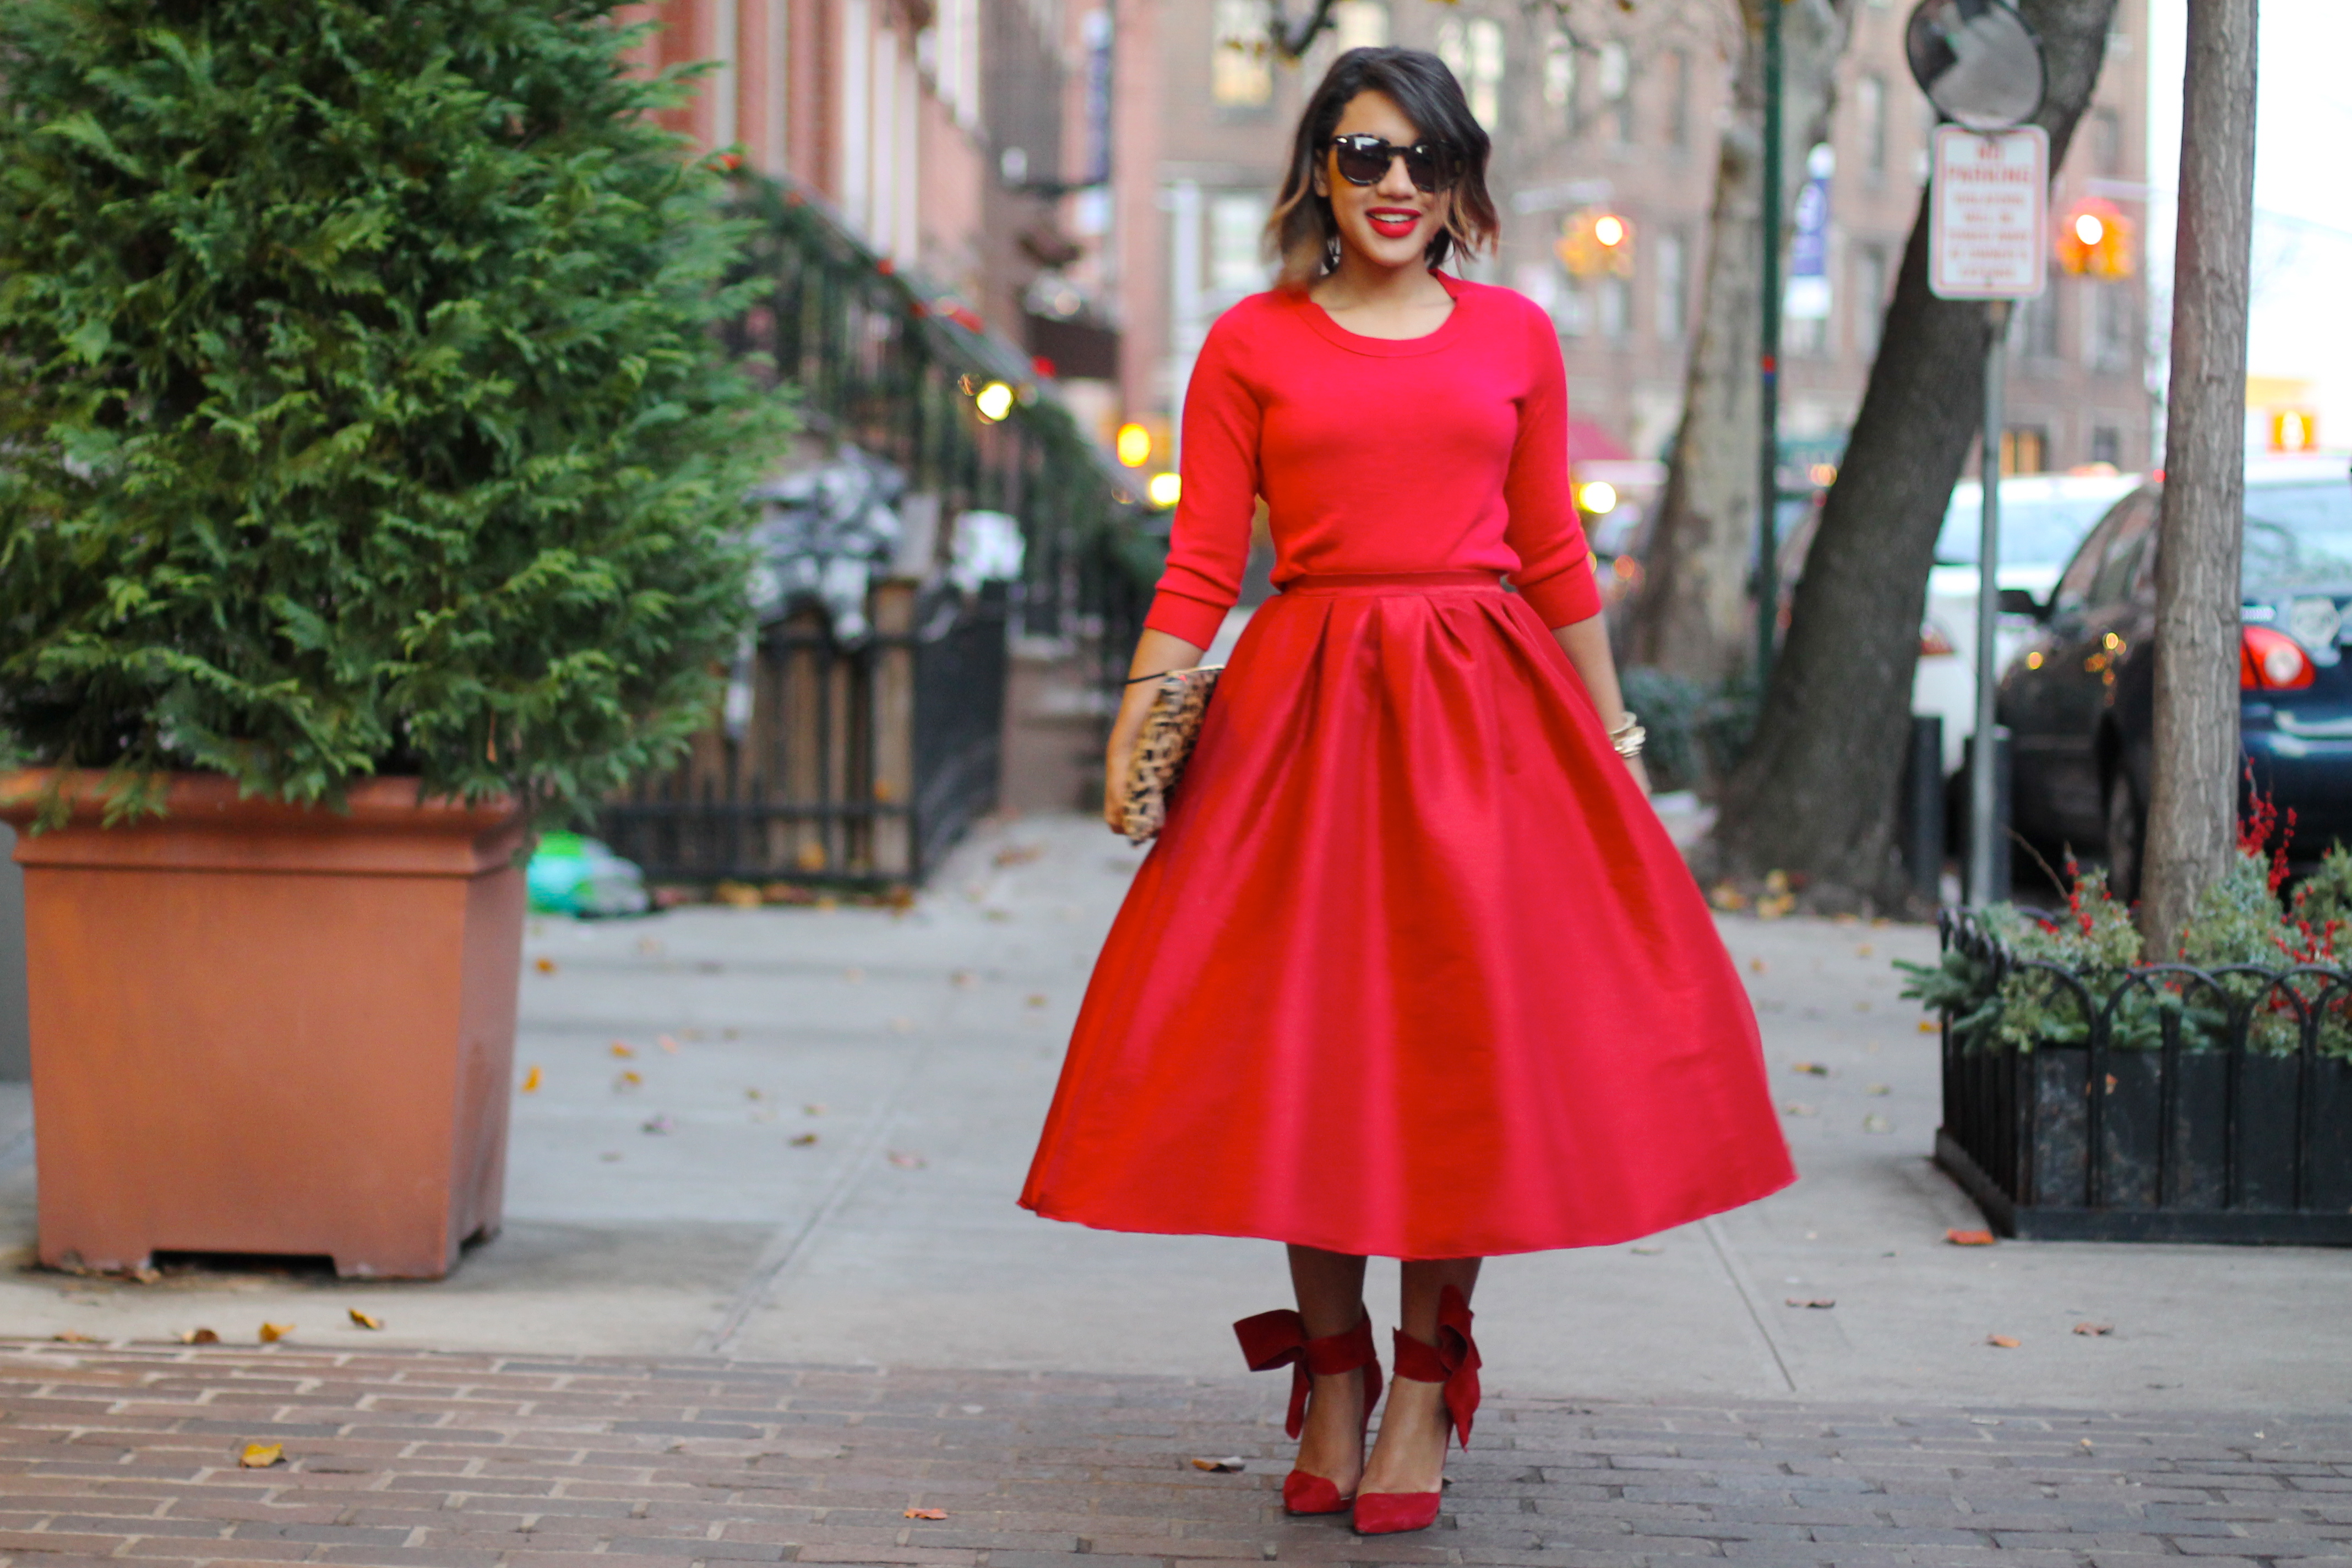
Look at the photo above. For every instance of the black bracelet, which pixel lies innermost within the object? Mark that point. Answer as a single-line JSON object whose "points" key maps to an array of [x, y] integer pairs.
{"points": [[1140, 680]]}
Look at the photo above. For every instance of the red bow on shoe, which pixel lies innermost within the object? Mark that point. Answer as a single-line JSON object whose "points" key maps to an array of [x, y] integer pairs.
{"points": [[1279, 1339], [1452, 1361]]}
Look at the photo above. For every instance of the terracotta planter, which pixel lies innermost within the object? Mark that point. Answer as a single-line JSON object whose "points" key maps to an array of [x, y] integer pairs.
{"points": [[260, 1029]]}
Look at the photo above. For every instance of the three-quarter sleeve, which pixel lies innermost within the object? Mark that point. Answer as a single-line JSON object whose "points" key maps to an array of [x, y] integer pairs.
{"points": [[1554, 570], [1210, 545]]}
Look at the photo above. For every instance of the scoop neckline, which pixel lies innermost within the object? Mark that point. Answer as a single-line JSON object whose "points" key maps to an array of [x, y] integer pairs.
{"points": [[1321, 321]]}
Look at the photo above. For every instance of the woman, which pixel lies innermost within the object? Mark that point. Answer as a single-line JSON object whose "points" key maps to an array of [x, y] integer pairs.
{"points": [[1413, 971]]}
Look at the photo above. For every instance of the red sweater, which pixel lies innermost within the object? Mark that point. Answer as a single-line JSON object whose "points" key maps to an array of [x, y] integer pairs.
{"points": [[1442, 453]]}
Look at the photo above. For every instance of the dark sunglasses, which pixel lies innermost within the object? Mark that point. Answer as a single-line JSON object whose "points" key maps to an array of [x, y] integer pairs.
{"points": [[1364, 160]]}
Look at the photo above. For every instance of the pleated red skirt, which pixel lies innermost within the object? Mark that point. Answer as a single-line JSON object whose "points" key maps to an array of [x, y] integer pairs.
{"points": [[1413, 970]]}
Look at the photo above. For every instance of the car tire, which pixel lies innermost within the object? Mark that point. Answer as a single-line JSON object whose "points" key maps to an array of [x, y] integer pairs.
{"points": [[2127, 835]]}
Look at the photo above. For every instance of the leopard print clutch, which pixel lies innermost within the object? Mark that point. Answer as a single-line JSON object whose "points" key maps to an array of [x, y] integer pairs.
{"points": [[1179, 704]]}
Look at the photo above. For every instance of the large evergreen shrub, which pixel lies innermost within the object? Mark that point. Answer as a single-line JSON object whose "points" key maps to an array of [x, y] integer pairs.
{"points": [[359, 409]]}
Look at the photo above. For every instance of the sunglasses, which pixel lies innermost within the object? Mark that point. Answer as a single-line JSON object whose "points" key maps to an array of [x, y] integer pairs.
{"points": [[1364, 160]]}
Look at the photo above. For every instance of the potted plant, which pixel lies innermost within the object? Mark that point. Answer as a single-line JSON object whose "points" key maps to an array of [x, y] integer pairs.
{"points": [[2092, 1091], [370, 490]]}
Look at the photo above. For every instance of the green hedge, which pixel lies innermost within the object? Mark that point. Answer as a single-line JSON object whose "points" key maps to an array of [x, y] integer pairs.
{"points": [[360, 410]]}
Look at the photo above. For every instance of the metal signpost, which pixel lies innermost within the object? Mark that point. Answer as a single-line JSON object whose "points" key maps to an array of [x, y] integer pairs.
{"points": [[1989, 239]]}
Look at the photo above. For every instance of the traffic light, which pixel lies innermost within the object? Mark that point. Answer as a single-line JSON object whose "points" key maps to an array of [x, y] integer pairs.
{"points": [[2293, 430], [2095, 240], [1593, 241]]}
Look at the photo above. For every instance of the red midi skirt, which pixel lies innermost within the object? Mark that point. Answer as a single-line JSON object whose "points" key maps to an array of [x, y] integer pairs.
{"points": [[1413, 970]]}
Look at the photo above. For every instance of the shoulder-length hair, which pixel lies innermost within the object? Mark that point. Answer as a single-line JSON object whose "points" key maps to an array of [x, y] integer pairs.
{"points": [[1302, 231]]}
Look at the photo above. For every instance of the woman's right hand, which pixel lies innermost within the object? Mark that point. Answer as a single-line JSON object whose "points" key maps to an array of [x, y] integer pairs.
{"points": [[1156, 652]]}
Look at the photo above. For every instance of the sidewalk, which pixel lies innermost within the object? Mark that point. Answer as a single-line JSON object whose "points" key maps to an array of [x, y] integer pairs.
{"points": [[919, 1049], [474, 1461]]}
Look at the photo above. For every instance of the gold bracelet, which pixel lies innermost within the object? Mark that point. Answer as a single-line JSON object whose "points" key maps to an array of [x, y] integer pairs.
{"points": [[1626, 736]]}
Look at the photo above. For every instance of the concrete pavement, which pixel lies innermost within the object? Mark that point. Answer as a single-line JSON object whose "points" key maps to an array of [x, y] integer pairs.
{"points": [[820, 1166]]}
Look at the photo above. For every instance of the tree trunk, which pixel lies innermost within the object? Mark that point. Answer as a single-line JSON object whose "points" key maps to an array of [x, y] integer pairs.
{"points": [[2192, 809], [1692, 617], [1815, 795]]}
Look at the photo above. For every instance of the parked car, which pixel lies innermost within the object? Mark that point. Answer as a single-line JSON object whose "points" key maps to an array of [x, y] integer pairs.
{"points": [[2043, 517], [2080, 702]]}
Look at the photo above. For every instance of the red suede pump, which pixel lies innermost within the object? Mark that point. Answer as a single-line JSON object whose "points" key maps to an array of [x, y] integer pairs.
{"points": [[1276, 1339], [1454, 1362]]}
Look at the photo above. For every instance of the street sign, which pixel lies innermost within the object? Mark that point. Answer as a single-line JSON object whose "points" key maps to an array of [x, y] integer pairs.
{"points": [[1977, 61], [1989, 221]]}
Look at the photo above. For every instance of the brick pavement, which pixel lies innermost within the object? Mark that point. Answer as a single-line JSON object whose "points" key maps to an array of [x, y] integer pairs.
{"points": [[482, 1461]]}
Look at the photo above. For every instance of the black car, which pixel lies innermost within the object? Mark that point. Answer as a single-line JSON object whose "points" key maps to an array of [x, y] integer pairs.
{"points": [[2079, 701]]}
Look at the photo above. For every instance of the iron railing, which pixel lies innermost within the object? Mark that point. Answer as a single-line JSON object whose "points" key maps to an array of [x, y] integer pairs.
{"points": [[2185, 1104], [865, 764]]}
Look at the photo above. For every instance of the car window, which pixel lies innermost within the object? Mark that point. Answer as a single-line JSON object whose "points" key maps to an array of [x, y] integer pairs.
{"points": [[2119, 563], [2040, 531], [2130, 517], [2298, 535]]}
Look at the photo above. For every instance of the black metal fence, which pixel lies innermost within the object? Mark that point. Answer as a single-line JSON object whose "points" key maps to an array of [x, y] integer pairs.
{"points": [[2184, 1104], [864, 764]]}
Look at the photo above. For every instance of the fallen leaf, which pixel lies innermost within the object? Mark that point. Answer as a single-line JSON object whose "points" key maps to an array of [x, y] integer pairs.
{"points": [[907, 1161], [1798, 1107], [803, 1141], [854, 974], [1969, 1237], [925, 1513], [738, 895], [1220, 1467], [273, 1332], [144, 1276], [1648, 1251], [961, 977], [1816, 1068], [544, 965], [1036, 998], [531, 1081], [650, 946], [610, 1156], [826, 902], [669, 1046], [754, 1094], [812, 1109], [657, 1124], [902, 1026], [2095, 1329], [1757, 964], [1880, 1088], [261, 1456], [1727, 898], [366, 1319], [1000, 917], [2005, 1342], [1019, 854], [1929, 1025], [1776, 882], [2087, 1445], [621, 1051], [1863, 951], [200, 1337], [1773, 907], [1873, 1123], [75, 1337], [1812, 1300]]}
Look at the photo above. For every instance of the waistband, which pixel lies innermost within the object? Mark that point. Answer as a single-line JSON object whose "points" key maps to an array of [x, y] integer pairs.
{"points": [[1317, 585]]}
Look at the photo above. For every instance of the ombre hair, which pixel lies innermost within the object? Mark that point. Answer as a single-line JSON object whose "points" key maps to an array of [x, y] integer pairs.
{"points": [[1302, 231]]}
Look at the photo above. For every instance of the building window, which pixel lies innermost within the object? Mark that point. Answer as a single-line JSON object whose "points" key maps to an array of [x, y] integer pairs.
{"points": [[2107, 143], [1869, 276], [1236, 239], [2033, 326], [2108, 326], [1560, 83], [1616, 309], [2107, 445], [1870, 128], [1678, 84], [1472, 51], [2024, 449], [1617, 90], [1360, 25], [1667, 267], [1240, 75]]}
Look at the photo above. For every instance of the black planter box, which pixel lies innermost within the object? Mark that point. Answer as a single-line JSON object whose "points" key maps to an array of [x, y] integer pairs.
{"points": [[2086, 1142]]}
